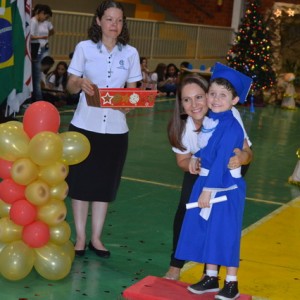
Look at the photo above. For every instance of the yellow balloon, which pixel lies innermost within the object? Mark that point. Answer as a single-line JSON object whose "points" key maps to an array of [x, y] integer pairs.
{"points": [[24, 171], [53, 212], [60, 233], [68, 248], [59, 191], [16, 260], [45, 148], [2, 246], [52, 262], [14, 141], [76, 147], [15, 124], [55, 173], [4, 208], [9, 231], [37, 192]]}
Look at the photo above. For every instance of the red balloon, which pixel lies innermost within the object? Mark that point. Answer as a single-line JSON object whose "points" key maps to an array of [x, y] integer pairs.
{"points": [[22, 212], [41, 116], [36, 234], [10, 191], [5, 167]]}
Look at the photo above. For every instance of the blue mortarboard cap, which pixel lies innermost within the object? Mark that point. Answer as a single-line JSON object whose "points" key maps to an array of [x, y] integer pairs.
{"points": [[190, 66], [240, 81]]}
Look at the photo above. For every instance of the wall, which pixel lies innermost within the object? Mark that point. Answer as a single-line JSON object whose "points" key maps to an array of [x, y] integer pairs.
{"points": [[204, 12], [208, 12], [82, 6]]}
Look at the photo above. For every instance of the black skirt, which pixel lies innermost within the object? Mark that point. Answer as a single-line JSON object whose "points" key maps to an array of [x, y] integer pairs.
{"points": [[98, 177]]}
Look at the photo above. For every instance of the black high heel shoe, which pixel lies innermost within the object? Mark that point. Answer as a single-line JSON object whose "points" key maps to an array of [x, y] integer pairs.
{"points": [[100, 253], [80, 252]]}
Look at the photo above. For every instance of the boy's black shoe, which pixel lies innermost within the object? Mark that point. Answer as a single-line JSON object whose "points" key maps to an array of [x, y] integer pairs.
{"points": [[229, 291], [206, 285]]}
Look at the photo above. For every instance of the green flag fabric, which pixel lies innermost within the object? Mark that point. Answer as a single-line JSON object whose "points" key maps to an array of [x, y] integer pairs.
{"points": [[13, 24]]}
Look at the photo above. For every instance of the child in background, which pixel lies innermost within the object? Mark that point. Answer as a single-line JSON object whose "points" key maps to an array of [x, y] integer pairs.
{"points": [[57, 82], [172, 80], [46, 65], [211, 233]]}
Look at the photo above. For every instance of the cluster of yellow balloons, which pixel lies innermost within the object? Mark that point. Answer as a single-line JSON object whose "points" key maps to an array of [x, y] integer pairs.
{"points": [[34, 160]]}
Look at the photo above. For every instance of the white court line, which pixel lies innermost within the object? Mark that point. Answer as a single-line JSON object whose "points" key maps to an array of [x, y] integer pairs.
{"points": [[179, 187], [152, 182]]}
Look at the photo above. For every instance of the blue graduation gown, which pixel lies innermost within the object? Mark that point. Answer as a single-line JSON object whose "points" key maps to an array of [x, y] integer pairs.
{"points": [[216, 240]]}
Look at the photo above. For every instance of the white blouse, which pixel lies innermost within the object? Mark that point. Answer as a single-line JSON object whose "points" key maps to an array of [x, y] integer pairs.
{"points": [[107, 70], [190, 137]]}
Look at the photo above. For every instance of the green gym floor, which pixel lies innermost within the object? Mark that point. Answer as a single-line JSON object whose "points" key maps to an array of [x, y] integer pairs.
{"points": [[138, 228]]}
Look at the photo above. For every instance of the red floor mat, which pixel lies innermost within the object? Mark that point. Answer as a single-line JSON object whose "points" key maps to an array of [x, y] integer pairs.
{"points": [[156, 288]]}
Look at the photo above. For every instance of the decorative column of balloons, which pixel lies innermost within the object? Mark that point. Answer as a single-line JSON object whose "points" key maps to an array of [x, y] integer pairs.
{"points": [[34, 160]]}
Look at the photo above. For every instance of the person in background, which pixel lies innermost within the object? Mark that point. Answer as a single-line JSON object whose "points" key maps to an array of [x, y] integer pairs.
{"points": [[211, 233], [56, 90], [183, 129], [57, 80], [108, 61], [147, 83], [150, 79], [169, 82], [182, 69], [159, 75], [40, 31], [46, 65], [144, 68]]}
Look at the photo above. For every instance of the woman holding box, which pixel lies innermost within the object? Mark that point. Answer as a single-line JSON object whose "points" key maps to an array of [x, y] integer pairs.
{"points": [[107, 61]]}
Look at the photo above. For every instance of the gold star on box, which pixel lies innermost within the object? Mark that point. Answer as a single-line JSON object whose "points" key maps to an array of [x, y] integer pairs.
{"points": [[107, 98]]}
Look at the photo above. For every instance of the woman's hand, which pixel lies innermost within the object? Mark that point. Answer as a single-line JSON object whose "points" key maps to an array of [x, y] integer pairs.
{"points": [[236, 161], [86, 86], [76, 84], [194, 165], [242, 157]]}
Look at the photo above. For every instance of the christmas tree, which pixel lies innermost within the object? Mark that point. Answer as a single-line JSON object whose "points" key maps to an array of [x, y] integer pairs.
{"points": [[251, 51]]}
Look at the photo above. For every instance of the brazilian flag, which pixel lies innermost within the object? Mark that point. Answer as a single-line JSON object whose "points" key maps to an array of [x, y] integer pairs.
{"points": [[12, 49]]}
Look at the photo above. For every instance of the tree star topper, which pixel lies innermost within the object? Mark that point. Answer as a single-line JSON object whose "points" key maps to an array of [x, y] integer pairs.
{"points": [[278, 13], [290, 12]]}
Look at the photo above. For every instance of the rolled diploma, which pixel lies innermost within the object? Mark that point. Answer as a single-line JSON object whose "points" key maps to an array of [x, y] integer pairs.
{"points": [[214, 200]]}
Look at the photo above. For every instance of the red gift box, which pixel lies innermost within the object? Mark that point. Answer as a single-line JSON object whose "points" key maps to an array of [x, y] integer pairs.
{"points": [[156, 288], [121, 97]]}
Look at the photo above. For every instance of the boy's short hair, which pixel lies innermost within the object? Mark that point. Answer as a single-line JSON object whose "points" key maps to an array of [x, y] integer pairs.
{"points": [[225, 83], [47, 60], [239, 81]]}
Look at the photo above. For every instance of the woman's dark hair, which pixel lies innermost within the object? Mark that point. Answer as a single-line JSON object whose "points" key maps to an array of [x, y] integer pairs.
{"points": [[168, 68], [95, 31], [47, 60], [142, 58], [226, 84], [177, 123], [57, 76], [160, 71], [42, 8]]}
